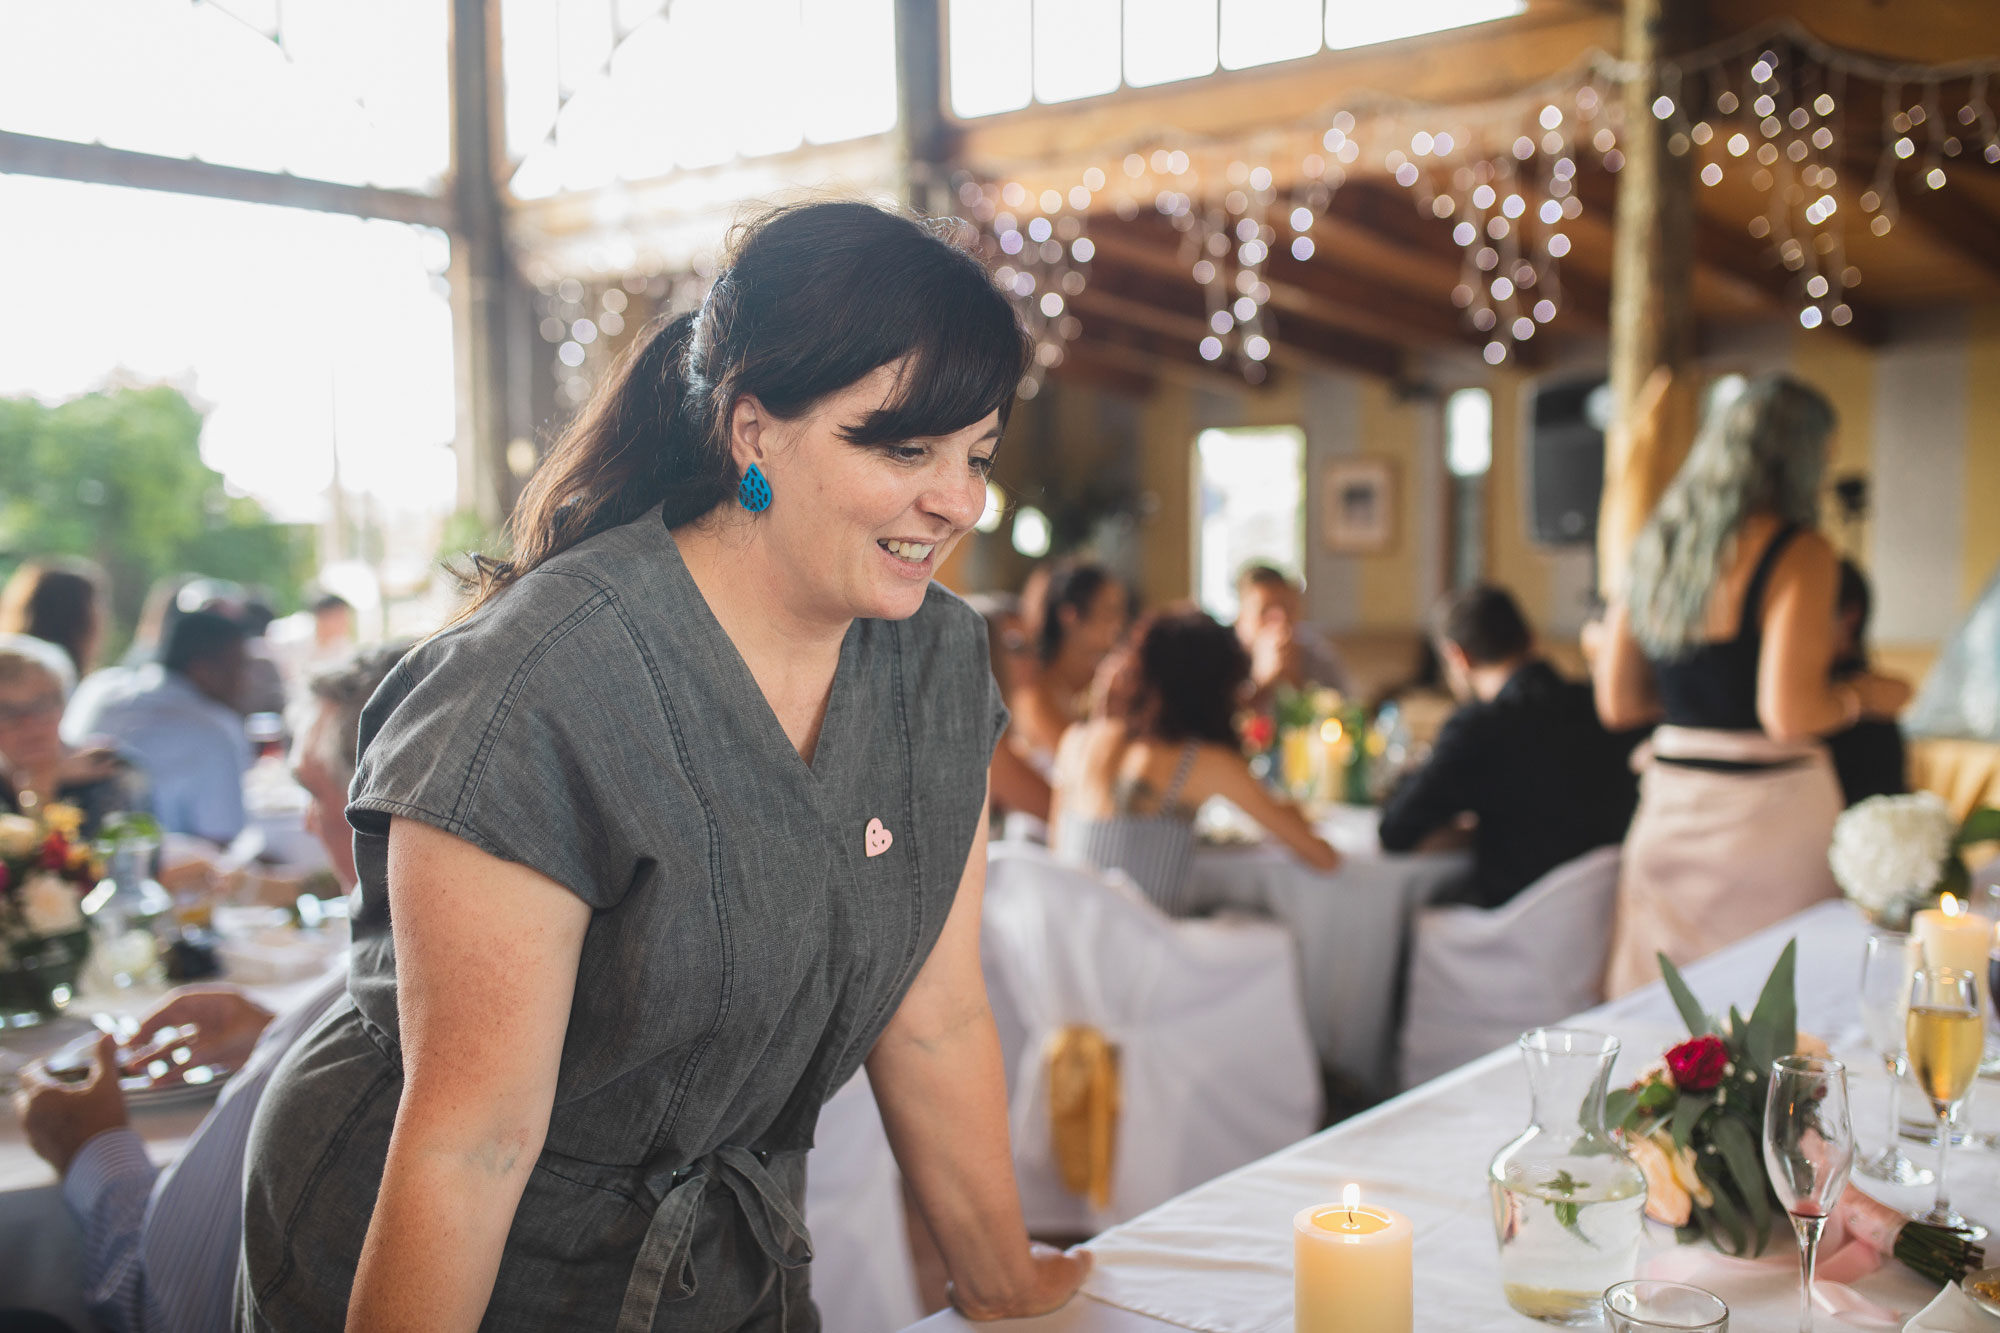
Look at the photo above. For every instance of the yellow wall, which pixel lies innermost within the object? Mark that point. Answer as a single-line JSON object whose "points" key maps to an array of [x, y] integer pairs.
{"points": [[1982, 454]]}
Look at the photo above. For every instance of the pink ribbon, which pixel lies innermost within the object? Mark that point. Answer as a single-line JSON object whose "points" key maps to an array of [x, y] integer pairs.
{"points": [[1843, 1259]]}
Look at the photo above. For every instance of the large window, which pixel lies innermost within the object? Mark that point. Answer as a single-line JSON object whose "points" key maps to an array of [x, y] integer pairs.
{"points": [[607, 90], [1250, 489], [1008, 53], [1468, 457]]}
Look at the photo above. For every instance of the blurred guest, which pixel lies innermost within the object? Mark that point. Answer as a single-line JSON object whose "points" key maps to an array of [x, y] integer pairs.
{"points": [[1013, 785], [1127, 784], [61, 601], [1285, 652], [263, 681], [1524, 756], [1083, 614], [39, 768], [179, 718], [156, 614], [1869, 757], [160, 1248], [1725, 632]]}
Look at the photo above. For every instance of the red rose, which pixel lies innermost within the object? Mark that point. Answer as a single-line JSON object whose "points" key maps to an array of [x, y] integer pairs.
{"points": [[55, 852], [1258, 733], [6, 877], [1697, 1063]]}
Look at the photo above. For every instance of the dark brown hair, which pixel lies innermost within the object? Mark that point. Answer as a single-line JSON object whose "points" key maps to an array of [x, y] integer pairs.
{"points": [[815, 297], [1486, 623], [60, 601], [1189, 679]]}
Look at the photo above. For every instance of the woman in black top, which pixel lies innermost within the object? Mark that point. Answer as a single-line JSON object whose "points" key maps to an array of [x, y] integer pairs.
{"points": [[1725, 634]]}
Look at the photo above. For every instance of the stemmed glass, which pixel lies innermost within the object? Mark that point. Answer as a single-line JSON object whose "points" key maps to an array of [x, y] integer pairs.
{"points": [[1808, 1151], [1885, 1009], [1947, 1035]]}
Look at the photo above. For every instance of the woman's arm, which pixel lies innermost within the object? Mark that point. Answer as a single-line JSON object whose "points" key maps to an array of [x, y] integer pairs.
{"points": [[1796, 697], [1014, 783], [943, 1095], [486, 957], [1621, 681], [1038, 723], [1229, 777]]}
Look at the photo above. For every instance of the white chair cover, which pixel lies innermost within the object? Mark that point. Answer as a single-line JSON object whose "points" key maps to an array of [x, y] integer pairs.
{"points": [[862, 1277], [1216, 1068], [1480, 978]]}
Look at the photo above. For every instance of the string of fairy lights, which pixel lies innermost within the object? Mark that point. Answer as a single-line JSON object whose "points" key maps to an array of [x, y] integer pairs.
{"points": [[1826, 140], [1778, 107]]}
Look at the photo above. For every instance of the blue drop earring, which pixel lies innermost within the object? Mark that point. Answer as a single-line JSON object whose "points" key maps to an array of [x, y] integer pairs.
{"points": [[754, 492]]}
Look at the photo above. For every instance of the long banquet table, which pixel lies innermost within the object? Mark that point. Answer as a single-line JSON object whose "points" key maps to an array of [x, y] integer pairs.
{"points": [[1218, 1259]]}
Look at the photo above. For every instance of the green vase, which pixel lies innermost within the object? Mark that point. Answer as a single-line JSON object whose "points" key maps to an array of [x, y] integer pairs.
{"points": [[38, 977]]}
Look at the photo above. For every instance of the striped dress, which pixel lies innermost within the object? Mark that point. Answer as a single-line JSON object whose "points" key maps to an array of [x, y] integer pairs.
{"points": [[1156, 850]]}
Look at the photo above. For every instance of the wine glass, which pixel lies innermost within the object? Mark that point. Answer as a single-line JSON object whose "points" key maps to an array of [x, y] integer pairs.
{"points": [[1946, 1035], [1808, 1151], [1885, 1010]]}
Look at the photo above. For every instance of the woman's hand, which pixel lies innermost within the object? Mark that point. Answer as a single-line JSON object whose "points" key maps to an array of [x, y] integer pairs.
{"points": [[1056, 1276]]}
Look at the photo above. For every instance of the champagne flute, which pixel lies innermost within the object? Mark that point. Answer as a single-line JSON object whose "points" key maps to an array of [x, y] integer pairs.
{"points": [[1885, 1011], [1947, 1036], [1808, 1151]]}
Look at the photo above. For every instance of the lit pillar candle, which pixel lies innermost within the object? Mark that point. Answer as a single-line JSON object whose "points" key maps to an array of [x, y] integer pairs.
{"points": [[1952, 937], [1351, 1269]]}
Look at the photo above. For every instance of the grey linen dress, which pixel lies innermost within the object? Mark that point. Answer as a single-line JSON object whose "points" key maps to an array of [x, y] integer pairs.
{"points": [[744, 952]]}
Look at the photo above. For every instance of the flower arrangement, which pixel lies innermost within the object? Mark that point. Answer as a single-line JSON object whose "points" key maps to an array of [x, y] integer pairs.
{"points": [[1894, 854], [1694, 1122], [45, 870]]}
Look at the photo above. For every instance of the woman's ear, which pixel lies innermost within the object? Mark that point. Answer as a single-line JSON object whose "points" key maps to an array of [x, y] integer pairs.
{"points": [[750, 425]]}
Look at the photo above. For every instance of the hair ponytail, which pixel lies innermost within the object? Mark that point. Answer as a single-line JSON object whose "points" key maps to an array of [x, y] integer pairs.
{"points": [[815, 297], [642, 440]]}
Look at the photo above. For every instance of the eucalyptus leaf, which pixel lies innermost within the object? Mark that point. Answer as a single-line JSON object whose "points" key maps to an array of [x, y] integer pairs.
{"points": [[1619, 1104], [1982, 825], [1732, 1140], [1690, 1008], [1953, 879], [1687, 1115], [1726, 1215], [1774, 1023]]}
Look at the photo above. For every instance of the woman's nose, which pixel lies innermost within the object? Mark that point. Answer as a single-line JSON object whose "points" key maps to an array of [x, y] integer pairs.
{"points": [[959, 504]]}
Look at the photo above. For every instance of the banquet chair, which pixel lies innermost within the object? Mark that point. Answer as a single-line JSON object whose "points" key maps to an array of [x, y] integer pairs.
{"points": [[863, 1280], [1478, 978], [1213, 1064]]}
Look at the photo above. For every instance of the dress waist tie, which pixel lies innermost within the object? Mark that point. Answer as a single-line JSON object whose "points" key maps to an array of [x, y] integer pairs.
{"points": [[664, 1269]]}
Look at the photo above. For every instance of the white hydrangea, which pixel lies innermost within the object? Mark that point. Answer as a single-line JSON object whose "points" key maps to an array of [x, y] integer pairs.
{"points": [[1890, 849], [19, 835], [49, 905]]}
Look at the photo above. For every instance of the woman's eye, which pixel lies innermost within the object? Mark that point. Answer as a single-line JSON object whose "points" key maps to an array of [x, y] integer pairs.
{"points": [[908, 453], [983, 466]]}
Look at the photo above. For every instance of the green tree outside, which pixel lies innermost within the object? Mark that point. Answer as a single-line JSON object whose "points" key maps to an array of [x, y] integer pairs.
{"points": [[117, 477]]}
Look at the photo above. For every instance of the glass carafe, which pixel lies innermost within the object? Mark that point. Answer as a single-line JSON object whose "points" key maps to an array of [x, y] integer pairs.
{"points": [[1568, 1204], [127, 910]]}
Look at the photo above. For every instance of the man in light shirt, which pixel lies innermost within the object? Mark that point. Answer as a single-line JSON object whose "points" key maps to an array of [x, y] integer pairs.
{"points": [[160, 1246], [179, 718], [1285, 651]]}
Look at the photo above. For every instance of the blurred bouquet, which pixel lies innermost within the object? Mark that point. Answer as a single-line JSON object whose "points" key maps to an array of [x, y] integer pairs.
{"points": [[46, 868], [1894, 854], [1694, 1125]]}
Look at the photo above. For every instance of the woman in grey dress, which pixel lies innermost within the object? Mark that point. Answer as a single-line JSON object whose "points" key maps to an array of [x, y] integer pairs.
{"points": [[680, 824]]}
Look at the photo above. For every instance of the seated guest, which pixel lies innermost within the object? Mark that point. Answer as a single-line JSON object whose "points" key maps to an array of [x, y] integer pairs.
{"points": [[1869, 757], [38, 767], [178, 718], [1013, 785], [1285, 652], [160, 1247], [1084, 612], [1524, 756], [60, 601], [1127, 783]]}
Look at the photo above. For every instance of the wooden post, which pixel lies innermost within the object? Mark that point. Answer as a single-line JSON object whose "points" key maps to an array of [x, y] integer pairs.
{"points": [[480, 271], [1652, 295], [921, 125]]}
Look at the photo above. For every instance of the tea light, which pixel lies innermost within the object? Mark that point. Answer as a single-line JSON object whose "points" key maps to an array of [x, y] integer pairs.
{"points": [[1351, 1268], [1952, 937]]}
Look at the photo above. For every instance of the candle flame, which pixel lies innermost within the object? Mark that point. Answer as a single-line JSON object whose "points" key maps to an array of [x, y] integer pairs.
{"points": [[1350, 1198], [1950, 906], [1330, 731]]}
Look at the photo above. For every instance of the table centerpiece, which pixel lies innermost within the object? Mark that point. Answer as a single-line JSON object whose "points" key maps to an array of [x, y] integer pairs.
{"points": [[45, 869]]}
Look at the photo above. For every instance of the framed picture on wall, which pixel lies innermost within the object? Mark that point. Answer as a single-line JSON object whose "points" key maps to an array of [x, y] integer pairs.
{"points": [[1358, 506]]}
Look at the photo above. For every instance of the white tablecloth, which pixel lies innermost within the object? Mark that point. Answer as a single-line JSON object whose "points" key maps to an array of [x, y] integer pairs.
{"points": [[1352, 926], [1219, 1257]]}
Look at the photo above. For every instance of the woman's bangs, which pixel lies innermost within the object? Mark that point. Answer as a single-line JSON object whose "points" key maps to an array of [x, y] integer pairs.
{"points": [[963, 362]]}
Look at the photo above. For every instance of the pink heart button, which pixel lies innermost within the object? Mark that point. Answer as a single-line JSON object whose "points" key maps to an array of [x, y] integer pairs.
{"points": [[877, 838]]}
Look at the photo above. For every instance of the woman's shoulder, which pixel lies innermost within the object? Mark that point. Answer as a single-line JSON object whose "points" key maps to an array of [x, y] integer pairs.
{"points": [[542, 614]]}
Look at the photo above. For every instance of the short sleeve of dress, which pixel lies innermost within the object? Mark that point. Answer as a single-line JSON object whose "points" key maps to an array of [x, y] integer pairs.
{"points": [[525, 733]]}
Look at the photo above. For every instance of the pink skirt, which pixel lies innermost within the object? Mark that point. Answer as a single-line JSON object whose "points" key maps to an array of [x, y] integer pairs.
{"points": [[1714, 855]]}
